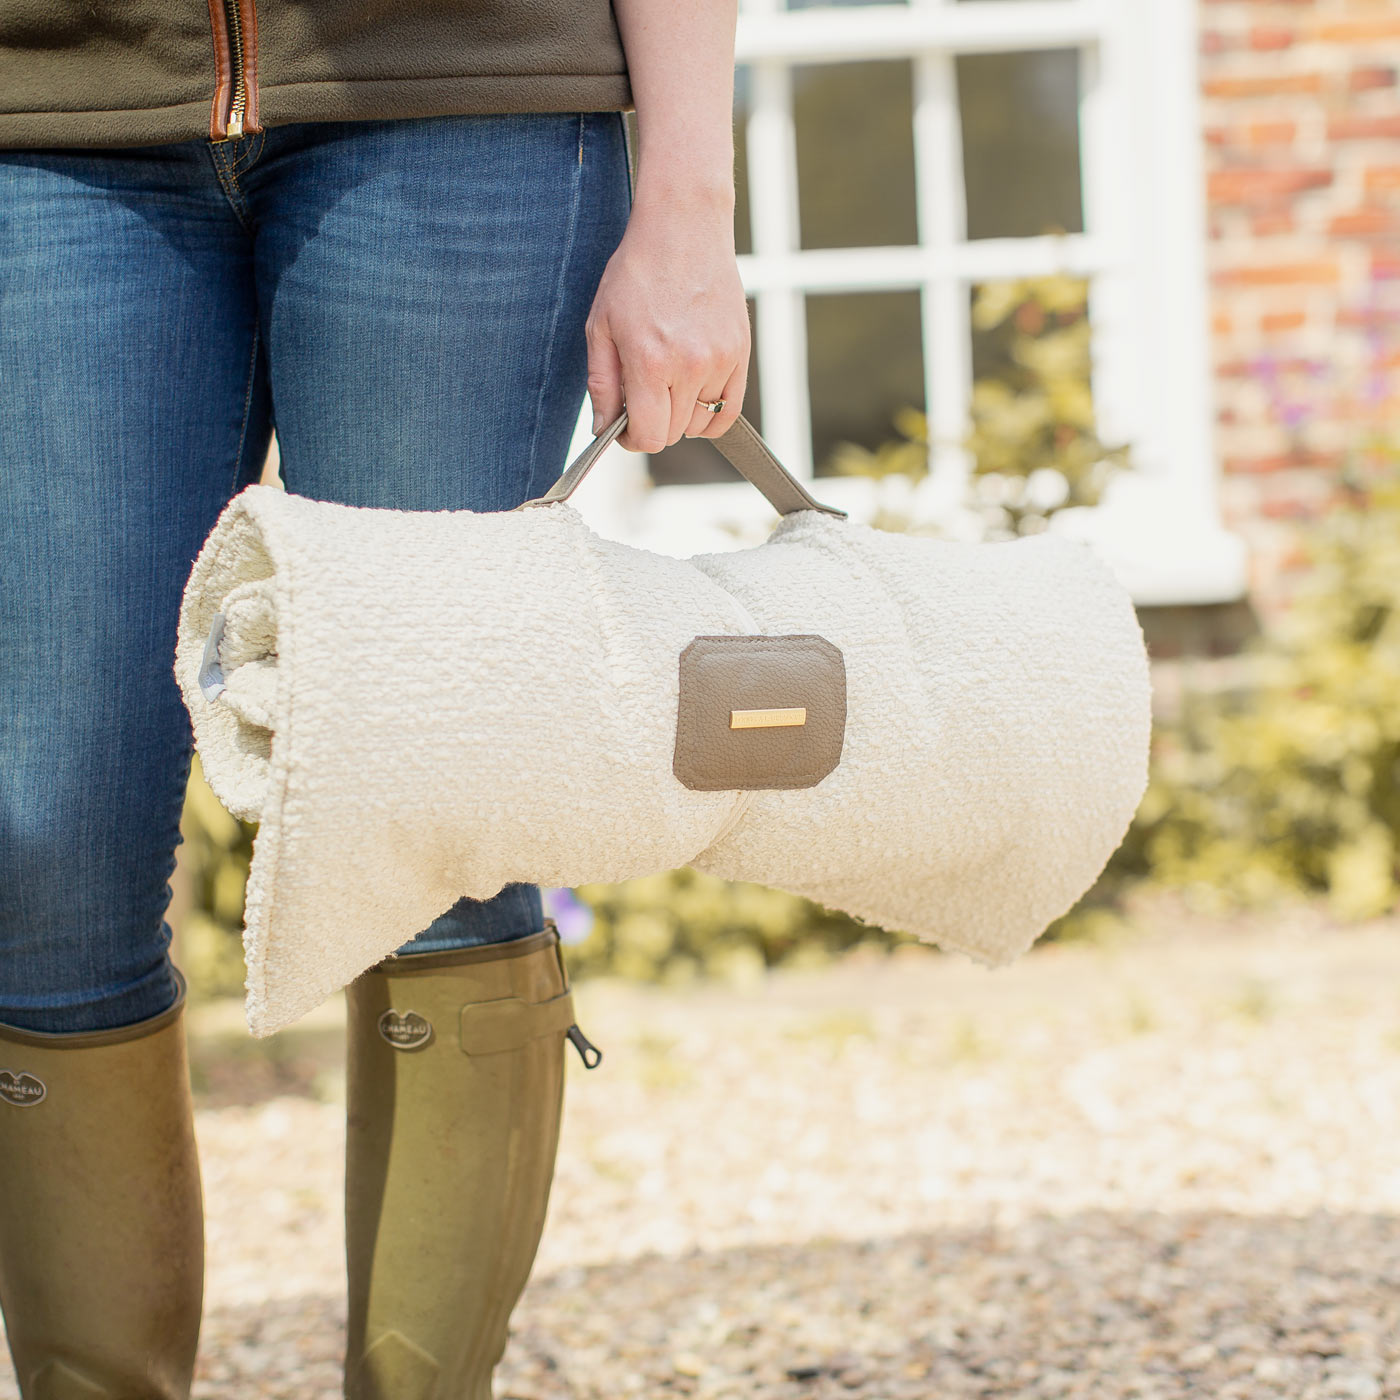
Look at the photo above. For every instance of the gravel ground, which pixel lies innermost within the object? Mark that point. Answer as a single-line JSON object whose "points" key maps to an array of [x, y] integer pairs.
{"points": [[1164, 1165]]}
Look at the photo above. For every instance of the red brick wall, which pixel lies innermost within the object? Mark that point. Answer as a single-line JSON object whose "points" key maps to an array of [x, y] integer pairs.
{"points": [[1302, 131]]}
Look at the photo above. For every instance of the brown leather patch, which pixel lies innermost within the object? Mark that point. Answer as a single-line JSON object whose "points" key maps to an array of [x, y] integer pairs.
{"points": [[759, 712], [248, 9]]}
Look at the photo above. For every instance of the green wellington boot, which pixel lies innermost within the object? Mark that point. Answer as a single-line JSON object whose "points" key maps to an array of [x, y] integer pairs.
{"points": [[455, 1085], [101, 1216]]}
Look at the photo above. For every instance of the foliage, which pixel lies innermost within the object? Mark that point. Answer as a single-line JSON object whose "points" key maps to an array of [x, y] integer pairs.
{"points": [[1033, 429], [905, 455], [1033, 441], [215, 854], [684, 924], [1293, 784]]}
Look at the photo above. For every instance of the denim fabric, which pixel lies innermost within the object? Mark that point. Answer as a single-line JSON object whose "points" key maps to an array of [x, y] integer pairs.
{"points": [[405, 299]]}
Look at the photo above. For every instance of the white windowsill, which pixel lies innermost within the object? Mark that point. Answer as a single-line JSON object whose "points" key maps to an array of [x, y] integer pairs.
{"points": [[1164, 549]]}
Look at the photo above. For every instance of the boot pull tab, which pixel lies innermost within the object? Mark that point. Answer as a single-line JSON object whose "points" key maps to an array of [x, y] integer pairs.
{"points": [[589, 1053]]}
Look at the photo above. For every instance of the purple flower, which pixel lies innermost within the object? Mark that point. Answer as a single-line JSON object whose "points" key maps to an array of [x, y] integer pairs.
{"points": [[572, 917]]}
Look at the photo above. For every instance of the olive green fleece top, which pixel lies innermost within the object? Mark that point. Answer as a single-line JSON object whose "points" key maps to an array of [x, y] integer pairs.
{"points": [[131, 72]]}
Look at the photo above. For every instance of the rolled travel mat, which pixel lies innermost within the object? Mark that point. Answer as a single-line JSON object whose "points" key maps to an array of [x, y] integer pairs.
{"points": [[939, 738]]}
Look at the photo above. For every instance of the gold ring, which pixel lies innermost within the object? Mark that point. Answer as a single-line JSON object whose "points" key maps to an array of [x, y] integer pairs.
{"points": [[714, 405]]}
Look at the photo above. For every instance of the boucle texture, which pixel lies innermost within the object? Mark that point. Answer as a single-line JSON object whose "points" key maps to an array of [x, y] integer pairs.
{"points": [[425, 705]]}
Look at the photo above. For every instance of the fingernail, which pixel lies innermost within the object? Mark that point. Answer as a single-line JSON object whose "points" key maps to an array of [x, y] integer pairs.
{"points": [[597, 424]]}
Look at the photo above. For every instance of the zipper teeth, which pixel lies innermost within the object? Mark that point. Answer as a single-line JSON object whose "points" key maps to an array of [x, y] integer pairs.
{"points": [[240, 86]]}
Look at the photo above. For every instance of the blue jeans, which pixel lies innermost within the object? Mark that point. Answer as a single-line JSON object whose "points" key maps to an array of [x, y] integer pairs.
{"points": [[404, 300]]}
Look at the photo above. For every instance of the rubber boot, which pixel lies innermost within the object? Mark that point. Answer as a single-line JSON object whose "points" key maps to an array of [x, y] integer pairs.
{"points": [[101, 1214], [455, 1085]]}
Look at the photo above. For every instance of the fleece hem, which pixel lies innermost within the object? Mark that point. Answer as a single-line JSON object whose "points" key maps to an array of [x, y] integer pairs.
{"points": [[339, 100]]}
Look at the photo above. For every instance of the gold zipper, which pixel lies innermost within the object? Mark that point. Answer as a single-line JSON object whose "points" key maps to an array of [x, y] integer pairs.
{"points": [[240, 79]]}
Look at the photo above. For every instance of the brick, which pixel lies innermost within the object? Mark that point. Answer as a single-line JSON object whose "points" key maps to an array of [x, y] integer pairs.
{"points": [[1381, 128], [1213, 42], [1222, 323], [1264, 85], [1363, 222], [1363, 410], [1286, 508], [1272, 225], [1251, 186], [1280, 461], [1368, 79], [1216, 136], [1265, 38], [1271, 133], [1383, 179], [1257, 366], [1367, 317], [1276, 322], [1321, 272], [1385, 267], [1374, 29]]}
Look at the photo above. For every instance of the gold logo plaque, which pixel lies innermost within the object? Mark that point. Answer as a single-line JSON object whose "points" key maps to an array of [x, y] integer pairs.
{"points": [[768, 719]]}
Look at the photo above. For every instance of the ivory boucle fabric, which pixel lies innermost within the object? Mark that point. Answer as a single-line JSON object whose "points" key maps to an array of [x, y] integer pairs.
{"points": [[425, 705]]}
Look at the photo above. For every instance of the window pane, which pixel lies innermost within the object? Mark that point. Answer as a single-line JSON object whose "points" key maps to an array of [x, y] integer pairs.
{"points": [[1020, 122], [694, 459], [855, 153], [743, 230], [865, 362]]}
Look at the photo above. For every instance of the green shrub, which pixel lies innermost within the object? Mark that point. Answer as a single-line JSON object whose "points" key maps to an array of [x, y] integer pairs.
{"points": [[1033, 442], [214, 857], [684, 924], [1032, 402], [1292, 785]]}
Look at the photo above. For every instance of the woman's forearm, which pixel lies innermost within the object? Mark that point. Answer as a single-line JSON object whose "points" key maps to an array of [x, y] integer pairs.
{"points": [[680, 58], [668, 333]]}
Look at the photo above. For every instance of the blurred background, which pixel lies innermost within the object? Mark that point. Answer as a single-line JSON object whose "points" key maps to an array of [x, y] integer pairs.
{"points": [[1128, 269]]}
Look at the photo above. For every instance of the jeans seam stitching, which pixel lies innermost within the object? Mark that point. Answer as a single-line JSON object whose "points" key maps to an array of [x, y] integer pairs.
{"points": [[251, 151], [247, 410], [564, 263], [228, 182]]}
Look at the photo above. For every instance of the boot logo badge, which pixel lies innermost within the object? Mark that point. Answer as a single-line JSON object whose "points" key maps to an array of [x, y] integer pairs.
{"points": [[23, 1090], [405, 1030]]}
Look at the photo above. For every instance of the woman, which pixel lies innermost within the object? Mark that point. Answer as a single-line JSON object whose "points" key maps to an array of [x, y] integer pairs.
{"points": [[406, 236]]}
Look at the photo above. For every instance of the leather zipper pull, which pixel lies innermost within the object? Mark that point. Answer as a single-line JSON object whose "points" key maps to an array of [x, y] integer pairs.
{"points": [[589, 1053]]}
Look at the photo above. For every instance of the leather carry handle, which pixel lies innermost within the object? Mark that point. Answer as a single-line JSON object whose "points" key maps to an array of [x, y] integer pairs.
{"points": [[742, 447]]}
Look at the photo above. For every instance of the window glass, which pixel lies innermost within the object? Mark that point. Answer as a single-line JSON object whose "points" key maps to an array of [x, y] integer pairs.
{"points": [[855, 153], [865, 362], [743, 229], [1020, 124], [695, 460]]}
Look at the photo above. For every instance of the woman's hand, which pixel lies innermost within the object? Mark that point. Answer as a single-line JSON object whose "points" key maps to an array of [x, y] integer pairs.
{"points": [[669, 326]]}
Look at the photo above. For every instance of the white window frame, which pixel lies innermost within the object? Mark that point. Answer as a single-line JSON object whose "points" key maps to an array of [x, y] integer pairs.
{"points": [[1142, 249]]}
